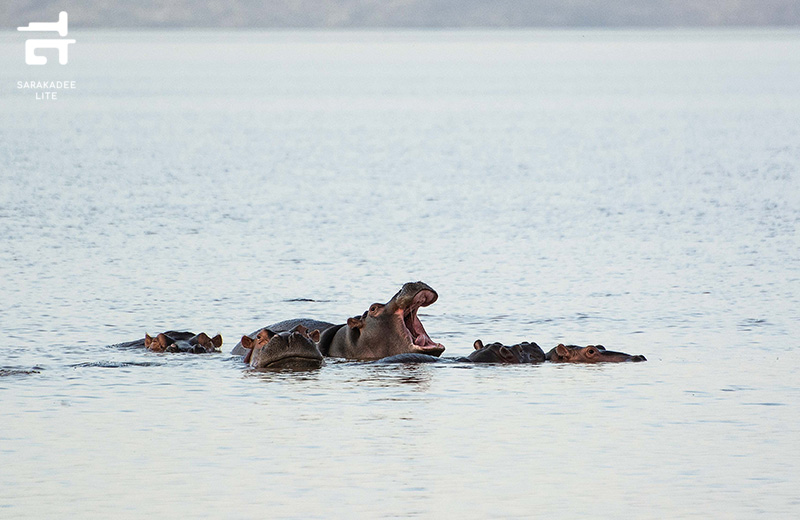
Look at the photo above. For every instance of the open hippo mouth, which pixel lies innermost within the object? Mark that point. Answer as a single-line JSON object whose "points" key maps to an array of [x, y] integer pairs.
{"points": [[420, 340]]}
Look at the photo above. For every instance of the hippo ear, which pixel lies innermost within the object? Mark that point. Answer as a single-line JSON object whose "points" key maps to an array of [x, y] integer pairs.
{"points": [[478, 344], [247, 342], [148, 340], [302, 330], [314, 335], [217, 341], [562, 351], [157, 344], [355, 323], [202, 339]]}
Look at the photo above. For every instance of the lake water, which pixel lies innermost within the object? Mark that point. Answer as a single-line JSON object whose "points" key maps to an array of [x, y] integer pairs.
{"points": [[635, 189]]}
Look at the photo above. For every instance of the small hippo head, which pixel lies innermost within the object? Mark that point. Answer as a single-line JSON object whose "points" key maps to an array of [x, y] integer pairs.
{"points": [[202, 343], [291, 349], [172, 341], [589, 354], [524, 352]]}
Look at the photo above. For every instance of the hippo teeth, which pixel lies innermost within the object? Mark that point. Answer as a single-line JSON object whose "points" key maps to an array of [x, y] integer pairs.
{"points": [[416, 332]]}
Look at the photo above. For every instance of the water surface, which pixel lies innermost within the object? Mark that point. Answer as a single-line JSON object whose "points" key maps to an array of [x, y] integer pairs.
{"points": [[635, 189]]}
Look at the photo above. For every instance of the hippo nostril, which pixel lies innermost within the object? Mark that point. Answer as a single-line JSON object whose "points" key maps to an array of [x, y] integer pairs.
{"points": [[638, 358]]}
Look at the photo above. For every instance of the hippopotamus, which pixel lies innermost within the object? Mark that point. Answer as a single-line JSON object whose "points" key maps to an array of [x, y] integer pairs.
{"points": [[289, 349], [172, 341], [284, 326], [524, 352], [385, 329], [176, 341], [589, 354]]}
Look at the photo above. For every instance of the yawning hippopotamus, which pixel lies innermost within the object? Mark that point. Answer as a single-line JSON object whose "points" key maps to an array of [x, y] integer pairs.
{"points": [[288, 349], [385, 329], [498, 353], [589, 354], [172, 341]]}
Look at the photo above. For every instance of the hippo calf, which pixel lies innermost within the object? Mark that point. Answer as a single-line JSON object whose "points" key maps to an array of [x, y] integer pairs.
{"points": [[172, 341], [524, 352], [385, 329], [295, 349], [589, 354]]}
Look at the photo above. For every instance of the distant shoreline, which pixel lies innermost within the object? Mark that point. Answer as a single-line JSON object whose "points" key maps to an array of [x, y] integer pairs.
{"points": [[410, 14], [344, 28]]}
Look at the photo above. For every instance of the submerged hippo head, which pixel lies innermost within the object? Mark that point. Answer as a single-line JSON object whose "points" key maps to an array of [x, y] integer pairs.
{"points": [[172, 341], [498, 353], [385, 329], [590, 354], [291, 349], [202, 343]]}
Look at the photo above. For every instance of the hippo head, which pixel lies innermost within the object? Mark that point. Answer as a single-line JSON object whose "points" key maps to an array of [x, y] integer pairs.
{"points": [[498, 353], [388, 329], [157, 344], [202, 343], [172, 341], [291, 349], [589, 354]]}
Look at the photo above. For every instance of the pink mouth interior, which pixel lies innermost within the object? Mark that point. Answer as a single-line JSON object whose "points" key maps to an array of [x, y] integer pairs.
{"points": [[415, 329]]}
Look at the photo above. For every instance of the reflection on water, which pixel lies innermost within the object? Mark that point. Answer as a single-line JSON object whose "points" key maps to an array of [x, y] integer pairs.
{"points": [[353, 375], [634, 189], [19, 371], [281, 375], [115, 364], [417, 377]]}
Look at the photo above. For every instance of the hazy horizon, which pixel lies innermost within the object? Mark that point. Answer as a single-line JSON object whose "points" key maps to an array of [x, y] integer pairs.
{"points": [[406, 13]]}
